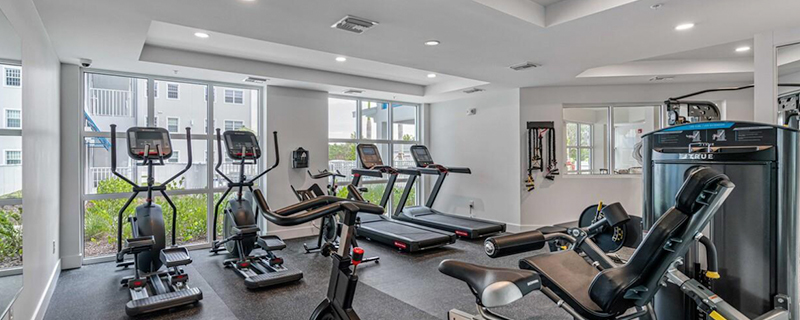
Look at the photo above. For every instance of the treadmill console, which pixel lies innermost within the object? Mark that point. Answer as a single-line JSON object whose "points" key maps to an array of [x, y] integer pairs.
{"points": [[146, 143], [241, 145], [369, 155], [421, 156]]}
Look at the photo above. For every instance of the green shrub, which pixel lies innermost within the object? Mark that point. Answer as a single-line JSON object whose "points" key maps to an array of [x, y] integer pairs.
{"points": [[10, 234]]}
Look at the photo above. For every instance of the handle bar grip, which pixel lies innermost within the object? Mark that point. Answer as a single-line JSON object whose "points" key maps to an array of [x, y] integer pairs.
{"points": [[506, 245]]}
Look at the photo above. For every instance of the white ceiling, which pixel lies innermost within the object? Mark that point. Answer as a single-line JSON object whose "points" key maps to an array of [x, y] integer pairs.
{"points": [[12, 46], [478, 42], [546, 2]]}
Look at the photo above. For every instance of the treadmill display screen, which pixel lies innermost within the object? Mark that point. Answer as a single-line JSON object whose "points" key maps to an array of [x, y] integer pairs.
{"points": [[421, 156]]}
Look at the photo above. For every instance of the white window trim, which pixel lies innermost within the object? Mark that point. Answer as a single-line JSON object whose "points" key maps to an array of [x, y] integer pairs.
{"points": [[579, 147], [5, 77], [225, 127], [5, 156], [225, 95], [155, 89], [179, 90], [5, 118], [179, 124]]}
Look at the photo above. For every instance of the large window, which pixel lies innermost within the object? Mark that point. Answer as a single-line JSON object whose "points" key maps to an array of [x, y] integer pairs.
{"points": [[11, 171], [122, 100], [234, 96], [593, 146], [392, 126]]}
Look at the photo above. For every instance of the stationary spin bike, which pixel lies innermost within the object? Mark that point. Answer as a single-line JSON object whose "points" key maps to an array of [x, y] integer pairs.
{"points": [[151, 287], [331, 227], [240, 226]]}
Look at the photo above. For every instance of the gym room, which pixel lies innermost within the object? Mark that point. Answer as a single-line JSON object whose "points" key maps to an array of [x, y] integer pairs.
{"points": [[385, 159]]}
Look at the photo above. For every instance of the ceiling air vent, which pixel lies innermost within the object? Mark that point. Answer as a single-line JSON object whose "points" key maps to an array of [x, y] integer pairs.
{"points": [[354, 24], [353, 91], [255, 80], [524, 66], [662, 78], [473, 90]]}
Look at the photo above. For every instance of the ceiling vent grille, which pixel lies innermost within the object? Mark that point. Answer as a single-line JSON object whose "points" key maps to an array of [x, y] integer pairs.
{"points": [[255, 80], [524, 66], [353, 91], [354, 24], [474, 90], [662, 78]]}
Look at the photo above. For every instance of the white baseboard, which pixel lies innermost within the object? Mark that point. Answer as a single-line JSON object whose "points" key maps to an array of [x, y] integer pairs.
{"points": [[44, 302], [71, 262], [292, 233]]}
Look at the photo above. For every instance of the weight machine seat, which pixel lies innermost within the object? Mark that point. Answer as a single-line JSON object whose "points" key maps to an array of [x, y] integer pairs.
{"points": [[493, 287]]}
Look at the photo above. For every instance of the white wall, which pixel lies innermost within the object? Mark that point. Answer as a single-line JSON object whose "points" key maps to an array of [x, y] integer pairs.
{"points": [[564, 199], [489, 144], [41, 147], [301, 119], [72, 145]]}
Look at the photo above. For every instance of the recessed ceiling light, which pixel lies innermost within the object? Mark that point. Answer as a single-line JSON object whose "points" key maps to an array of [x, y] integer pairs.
{"points": [[685, 26], [431, 75], [341, 59], [743, 49], [201, 35], [432, 43]]}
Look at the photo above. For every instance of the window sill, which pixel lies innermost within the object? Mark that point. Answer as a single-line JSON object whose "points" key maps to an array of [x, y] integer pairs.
{"points": [[602, 176]]}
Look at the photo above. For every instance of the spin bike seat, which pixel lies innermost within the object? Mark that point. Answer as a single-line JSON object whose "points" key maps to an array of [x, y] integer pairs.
{"points": [[494, 287]]}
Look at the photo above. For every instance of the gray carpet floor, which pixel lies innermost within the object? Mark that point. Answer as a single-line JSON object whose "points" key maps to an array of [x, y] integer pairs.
{"points": [[401, 286]]}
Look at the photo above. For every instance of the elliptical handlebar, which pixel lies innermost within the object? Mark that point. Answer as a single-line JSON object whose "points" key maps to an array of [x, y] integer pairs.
{"points": [[114, 157], [219, 157], [277, 158], [324, 174], [189, 161]]}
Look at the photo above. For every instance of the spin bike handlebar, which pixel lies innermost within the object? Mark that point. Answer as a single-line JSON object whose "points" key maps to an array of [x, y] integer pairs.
{"points": [[299, 213], [325, 174]]}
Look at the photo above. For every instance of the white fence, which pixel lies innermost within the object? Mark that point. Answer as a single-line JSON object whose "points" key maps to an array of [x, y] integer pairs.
{"points": [[10, 178], [110, 103]]}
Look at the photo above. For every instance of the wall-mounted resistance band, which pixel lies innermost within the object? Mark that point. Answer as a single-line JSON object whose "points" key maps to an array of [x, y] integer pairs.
{"points": [[541, 137]]}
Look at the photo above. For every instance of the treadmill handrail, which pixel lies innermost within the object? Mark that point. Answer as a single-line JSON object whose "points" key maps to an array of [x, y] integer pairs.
{"points": [[367, 172]]}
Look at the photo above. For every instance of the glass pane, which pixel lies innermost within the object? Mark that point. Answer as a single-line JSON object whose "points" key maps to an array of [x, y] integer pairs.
{"points": [[572, 134], [586, 159], [404, 122], [373, 194], [114, 100], [100, 221], [586, 135], [398, 192], [10, 236], [10, 167], [401, 156], [184, 106], [99, 179], [191, 220], [342, 158], [194, 178], [374, 120], [342, 118], [572, 160], [232, 168], [235, 109], [630, 123]]}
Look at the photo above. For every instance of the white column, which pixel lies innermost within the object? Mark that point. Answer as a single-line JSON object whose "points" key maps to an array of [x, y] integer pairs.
{"points": [[766, 78]]}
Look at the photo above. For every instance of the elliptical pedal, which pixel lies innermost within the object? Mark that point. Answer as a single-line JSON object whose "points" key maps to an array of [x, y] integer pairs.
{"points": [[271, 243], [175, 256]]}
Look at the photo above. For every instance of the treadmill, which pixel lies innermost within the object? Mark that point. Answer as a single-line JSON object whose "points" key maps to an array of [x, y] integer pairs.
{"points": [[462, 226], [403, 236]]}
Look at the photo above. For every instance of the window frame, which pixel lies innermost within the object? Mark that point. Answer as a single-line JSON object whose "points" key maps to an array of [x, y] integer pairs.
{"points": [[177, 91], [210, 190], [178, 126], [610, 133], [6, 77], [225, 124], [579, 147], [176, 155], [6, 118], [5, 157], [388, 140], [233, 96]]}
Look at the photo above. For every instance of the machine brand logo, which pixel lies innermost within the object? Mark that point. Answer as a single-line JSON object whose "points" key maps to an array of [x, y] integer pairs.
{"points": [[695, 136], [697, 156]]}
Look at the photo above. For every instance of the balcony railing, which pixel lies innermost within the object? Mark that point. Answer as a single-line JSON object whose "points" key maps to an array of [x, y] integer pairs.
{"points": [[110, 103]]}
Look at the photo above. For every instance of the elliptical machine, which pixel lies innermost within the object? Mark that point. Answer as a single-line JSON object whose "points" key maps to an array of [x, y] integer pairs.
{"points": [[151, 287], [240, 227]]}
